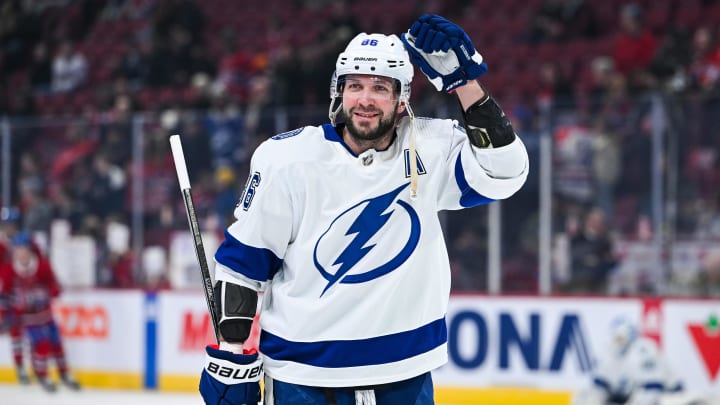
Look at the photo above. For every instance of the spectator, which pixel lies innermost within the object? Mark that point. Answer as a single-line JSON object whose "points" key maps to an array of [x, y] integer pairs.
{"points": [[336, 32], [636, 166], [41, 69], [635, 46], [225, 196], [616, 105], [133, 65], [159, 185], [66, 206], [606, 166], [704, 71], [17, 34], [179, 57], [592, 255], [709, 219], [602, 69], [155, 56], [37, 211], [520, 270], [106, 188], [259, 111], [708, 280], [70, 68], [705, 64], [196, 139], [201, 62], [224, 125], [236, 67], [116, 144], [468, 259], [669, 65], [186, 15], [555, 93], [562, 20]]}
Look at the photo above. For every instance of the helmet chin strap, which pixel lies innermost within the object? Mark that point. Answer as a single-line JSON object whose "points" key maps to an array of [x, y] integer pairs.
{"points": [[333, 113], [413, 153]]}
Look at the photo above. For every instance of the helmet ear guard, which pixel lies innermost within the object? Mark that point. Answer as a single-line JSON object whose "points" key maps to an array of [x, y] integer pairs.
{"points": [[335, 98]]}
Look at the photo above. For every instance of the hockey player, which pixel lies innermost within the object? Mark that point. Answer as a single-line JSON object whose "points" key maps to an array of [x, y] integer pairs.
{"points": [[29, 282], [632, 372], [338, 225], [9, 319]]}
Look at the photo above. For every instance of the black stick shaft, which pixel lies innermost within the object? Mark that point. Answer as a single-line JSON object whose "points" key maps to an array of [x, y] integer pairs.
{"points": [[202, 261]]}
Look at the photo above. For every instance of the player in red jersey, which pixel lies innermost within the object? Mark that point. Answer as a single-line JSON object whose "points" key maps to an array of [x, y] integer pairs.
{"points": [[9, 321], [29, 282]]}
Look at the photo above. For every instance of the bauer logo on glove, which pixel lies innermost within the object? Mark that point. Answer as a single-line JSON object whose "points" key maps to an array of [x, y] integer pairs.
{"points": [[443, 51], [250, 374], [230, 378]]}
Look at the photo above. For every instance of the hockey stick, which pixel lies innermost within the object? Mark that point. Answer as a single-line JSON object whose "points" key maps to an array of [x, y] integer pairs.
{"points": [[184, 180]]}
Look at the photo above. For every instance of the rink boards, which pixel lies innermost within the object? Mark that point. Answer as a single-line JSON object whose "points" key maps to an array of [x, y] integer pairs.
{"points": [[502, 349]]}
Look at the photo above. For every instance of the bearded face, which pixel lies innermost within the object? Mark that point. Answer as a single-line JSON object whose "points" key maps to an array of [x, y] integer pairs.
{"points": [[361, 126]]}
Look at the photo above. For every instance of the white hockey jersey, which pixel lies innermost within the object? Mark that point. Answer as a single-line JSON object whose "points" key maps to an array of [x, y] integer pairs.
{"points": [[354, 271]]}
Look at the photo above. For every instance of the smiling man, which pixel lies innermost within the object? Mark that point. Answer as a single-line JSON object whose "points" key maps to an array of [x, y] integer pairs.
{"points": [[338, 226]]}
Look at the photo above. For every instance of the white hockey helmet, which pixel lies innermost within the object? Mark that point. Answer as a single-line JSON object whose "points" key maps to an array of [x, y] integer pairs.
{"points": [[623, 332], [372, 54]]}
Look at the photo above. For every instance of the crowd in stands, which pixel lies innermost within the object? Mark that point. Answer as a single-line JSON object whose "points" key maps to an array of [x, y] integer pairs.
{"points": [[217, 71]]}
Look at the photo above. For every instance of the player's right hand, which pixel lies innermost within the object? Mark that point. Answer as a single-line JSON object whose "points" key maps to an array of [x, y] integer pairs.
{"points": [[230, 378]]}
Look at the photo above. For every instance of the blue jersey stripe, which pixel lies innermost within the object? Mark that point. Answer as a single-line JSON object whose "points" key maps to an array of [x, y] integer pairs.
{"points": [[470, 197], [354, 353], [654, 386], [256, 263]]}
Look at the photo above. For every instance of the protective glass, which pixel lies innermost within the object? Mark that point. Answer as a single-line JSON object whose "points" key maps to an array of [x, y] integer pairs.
{"points": [[371, 87]]}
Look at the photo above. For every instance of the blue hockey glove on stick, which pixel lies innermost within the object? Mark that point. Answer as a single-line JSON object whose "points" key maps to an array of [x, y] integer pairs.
{"points": [[230, 378], [443, 51]]}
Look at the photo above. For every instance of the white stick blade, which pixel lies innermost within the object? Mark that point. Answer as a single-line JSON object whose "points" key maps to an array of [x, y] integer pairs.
{"points": [[179, 158]]}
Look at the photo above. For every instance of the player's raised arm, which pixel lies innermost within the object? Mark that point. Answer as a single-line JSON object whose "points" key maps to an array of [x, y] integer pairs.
{"points": [[447, 56]]}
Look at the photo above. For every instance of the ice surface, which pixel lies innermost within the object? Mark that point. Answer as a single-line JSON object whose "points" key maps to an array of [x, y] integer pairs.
{"points": [[11, 394]]}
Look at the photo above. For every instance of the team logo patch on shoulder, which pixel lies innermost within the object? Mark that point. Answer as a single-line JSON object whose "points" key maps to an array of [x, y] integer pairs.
{"points": [[288, 134]]}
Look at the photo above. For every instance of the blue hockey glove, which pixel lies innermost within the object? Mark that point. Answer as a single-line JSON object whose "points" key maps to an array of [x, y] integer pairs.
{"points": [[230, 378], [443, 51]]}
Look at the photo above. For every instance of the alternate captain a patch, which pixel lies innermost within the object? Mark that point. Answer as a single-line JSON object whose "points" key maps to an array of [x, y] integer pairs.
{"points": [[420, 166]]}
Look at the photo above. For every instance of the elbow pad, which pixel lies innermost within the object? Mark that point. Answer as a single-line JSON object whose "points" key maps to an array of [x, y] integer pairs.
{"points": [[486, 124], [235, 308]]}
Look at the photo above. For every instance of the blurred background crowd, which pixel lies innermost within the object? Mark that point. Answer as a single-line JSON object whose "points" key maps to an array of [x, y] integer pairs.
{"points": [[627, 93]]}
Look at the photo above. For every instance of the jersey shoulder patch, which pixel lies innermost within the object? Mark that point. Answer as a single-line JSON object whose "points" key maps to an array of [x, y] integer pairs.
{"points": [[288, 134]]}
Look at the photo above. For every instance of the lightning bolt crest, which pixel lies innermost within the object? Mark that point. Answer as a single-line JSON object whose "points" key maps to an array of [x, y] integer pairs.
{"points": [[366, 225]]}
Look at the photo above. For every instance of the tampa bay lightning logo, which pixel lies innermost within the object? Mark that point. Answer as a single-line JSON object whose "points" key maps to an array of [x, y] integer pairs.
{"points": [[385, 225]]}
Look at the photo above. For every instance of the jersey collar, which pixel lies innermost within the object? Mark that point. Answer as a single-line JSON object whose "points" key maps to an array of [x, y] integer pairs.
{"points": [[333, 134]]}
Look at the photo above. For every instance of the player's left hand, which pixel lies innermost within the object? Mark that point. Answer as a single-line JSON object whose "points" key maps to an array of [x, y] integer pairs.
{"points": [[230, 378], [443, 51]]}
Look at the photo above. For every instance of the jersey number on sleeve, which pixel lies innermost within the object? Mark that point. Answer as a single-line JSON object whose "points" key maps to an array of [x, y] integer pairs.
{"points": [[250, 187]]}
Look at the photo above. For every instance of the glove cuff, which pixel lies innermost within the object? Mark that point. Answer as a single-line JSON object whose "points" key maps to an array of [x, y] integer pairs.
{"points": [[224, 367]]}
